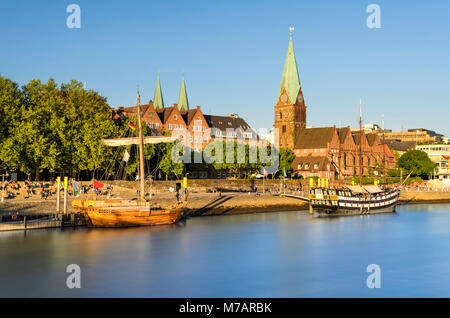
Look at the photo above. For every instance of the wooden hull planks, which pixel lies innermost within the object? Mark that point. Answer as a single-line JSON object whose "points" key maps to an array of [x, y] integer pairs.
{"points": [[102, 214]]}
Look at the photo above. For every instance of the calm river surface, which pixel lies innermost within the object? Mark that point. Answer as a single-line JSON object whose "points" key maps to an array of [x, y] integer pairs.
{"points": [[287, 254]]}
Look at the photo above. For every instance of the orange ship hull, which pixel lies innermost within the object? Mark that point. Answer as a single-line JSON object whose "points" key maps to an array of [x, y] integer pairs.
{"points": [[115, 215]]}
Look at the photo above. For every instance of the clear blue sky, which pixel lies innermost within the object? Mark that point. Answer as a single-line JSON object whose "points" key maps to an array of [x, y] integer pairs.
{"points": [[232, 54]]}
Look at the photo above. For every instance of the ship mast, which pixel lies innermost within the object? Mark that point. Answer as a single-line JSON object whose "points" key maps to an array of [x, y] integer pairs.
{"points": [[141, 150], [384, 154], [339, 157], [360, 143]]}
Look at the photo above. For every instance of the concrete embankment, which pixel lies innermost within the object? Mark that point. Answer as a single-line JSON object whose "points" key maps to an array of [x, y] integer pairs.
{"points": [[213, 204], [409, 197], [230, 197]]}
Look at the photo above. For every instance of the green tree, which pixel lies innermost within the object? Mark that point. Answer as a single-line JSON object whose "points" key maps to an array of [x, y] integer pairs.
{"points": [[11, 105], [417, 162], [167, 164], [35, 138], [287, 156], [55, 128]]}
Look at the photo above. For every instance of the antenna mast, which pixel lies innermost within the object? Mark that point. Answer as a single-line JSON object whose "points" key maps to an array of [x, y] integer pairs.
{"points": [[360, 143], [339, 158], [384, 154]]}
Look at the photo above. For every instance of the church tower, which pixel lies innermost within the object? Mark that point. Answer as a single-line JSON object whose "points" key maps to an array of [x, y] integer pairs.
{"points": [[290, 109], [183, 103], [158, 102]]}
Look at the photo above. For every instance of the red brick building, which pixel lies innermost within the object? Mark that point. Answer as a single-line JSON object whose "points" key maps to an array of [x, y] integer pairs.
{"points": [[194, 128], [326, 152]]}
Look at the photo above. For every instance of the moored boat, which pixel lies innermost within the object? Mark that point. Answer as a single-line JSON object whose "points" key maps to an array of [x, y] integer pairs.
{"points": [[126, 213], [352, 200]]}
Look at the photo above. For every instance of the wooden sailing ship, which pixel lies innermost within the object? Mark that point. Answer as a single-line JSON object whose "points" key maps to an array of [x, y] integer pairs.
{"points": [[353, 200], [125, 213]]}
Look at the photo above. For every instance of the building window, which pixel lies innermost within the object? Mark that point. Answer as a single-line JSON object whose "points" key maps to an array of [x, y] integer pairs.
{"points": [[170, 126], [150, 125], [299, 166], [156, 125], [283, 129], [316, 166], [190, 138], [175, 127], [175, 117]]}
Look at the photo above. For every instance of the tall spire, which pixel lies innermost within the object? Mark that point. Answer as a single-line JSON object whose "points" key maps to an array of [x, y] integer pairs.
{"points": [[183, 103], [158, 101], [290, 80]]}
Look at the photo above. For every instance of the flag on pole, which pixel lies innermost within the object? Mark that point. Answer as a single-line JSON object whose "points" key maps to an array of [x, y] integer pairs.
{"points": [[98, 185], [360, 107], [76, 189], [131, 125], [126, 156]]}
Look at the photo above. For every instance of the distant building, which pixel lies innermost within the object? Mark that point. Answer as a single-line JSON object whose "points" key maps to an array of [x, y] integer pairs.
{"points": [[372, 128], [439, 154], [419, 135], [401, 146]]}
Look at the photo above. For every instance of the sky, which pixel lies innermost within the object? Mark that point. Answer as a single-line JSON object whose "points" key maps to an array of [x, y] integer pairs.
{"points": [[232, 55]]}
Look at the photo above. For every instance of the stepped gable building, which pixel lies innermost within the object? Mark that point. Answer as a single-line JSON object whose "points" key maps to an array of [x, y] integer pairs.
{"points": [[326, 152], [194, 128]]}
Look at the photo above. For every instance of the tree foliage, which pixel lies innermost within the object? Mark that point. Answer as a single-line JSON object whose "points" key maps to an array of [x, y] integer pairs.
{"points": [[287, 156], [54, 128], [417, 163]]}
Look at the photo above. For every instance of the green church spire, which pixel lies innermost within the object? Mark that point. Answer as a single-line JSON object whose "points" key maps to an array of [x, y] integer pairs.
{"points": [[183, 103], [290, 79], [158, 101]]}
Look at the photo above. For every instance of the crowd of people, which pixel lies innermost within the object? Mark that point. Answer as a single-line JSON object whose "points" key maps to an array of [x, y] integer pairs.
{"points": [[12, 189]]}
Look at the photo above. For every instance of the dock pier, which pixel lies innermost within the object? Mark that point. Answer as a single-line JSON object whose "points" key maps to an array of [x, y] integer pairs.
{"points": [[31, 222]]}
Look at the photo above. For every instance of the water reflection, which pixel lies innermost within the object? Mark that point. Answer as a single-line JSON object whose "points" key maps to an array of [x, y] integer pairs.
{"points": [[286, 254]]}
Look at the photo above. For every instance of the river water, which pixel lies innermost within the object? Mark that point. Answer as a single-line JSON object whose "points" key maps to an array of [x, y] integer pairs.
{"points": [[284, 254]]}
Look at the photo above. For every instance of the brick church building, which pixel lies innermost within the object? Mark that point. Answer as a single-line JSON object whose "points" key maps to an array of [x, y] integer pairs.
{"points": [[326, 152]]}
